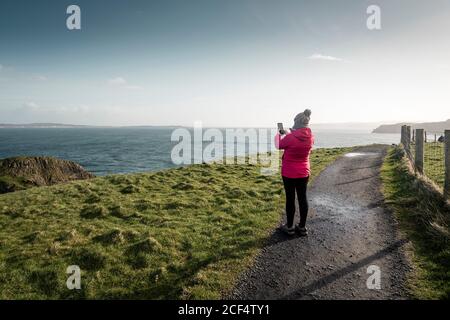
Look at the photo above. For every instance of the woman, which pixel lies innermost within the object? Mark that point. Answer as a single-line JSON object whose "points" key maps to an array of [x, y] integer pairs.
{"points": [[295, 170]]}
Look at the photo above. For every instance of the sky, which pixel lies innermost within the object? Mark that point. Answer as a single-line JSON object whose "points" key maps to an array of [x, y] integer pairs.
{"points": [[238, 63]]}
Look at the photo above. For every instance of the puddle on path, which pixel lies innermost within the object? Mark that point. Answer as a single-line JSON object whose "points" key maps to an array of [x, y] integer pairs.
{"points": [[359, 154], [334, 206]]}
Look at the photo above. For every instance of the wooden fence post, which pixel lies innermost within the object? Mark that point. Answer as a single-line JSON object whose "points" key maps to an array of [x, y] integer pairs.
{"points": [[447, 164], [408, 139], [403, 135], [419, 157]]}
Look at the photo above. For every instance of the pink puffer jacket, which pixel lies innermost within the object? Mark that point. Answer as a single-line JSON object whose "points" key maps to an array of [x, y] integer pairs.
{"points": [[297, 147]]}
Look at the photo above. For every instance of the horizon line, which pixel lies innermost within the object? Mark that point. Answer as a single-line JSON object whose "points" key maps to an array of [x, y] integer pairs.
{"points": [[56, 124]]}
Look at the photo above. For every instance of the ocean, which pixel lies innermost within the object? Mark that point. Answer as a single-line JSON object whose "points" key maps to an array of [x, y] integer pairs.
{"points": [[105, 151]]}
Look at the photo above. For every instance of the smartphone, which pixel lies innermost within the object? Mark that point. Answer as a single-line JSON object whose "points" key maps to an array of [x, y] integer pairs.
{"points": [[280, 126]]}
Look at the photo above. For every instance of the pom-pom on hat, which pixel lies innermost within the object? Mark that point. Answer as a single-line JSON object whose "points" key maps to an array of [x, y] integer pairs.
{"points": [[302, 119]]}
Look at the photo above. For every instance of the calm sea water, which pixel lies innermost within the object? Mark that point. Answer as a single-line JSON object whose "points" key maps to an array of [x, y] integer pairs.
{"points": [[121, 150]]}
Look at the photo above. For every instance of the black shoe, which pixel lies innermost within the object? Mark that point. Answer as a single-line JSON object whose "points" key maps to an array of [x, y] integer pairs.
{"points": [[289, 231], [302, 232]]}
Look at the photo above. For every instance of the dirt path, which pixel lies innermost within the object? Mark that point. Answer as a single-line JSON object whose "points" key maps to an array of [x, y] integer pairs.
{"points": [[349, 230]]}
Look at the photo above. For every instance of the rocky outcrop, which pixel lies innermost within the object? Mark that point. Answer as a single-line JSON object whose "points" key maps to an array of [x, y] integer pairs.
{"points": [[24, 172]]}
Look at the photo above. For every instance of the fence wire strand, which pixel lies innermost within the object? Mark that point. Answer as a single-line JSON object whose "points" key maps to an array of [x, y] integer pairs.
{"points": [[434, 160], [434, 157]]}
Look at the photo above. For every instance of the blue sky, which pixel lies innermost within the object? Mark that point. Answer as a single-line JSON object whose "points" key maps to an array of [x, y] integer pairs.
{"points": [[226, 63]]}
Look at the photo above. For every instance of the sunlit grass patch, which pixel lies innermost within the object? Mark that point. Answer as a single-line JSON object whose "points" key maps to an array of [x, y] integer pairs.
{"points": [[181, 233], [424, 218], [434, 162]]}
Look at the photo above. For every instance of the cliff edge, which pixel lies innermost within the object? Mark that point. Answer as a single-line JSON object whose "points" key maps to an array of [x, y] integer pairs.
{"points": [[20, 173]]}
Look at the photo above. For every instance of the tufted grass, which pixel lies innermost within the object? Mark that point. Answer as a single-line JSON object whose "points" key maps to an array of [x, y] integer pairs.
{"points": [[183, 233]]}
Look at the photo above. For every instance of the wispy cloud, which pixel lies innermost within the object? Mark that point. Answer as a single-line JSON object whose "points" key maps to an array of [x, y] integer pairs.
{"points": [[117, 81], [31, 106], [318, 56], [133, 87], [121, 82], [39, 78]]}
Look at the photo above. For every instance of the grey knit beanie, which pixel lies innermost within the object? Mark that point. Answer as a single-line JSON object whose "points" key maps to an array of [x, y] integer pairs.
{"points": [[302, 119]]}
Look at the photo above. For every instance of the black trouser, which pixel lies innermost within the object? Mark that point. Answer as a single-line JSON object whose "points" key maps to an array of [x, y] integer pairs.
{"points": [[290, 186]]}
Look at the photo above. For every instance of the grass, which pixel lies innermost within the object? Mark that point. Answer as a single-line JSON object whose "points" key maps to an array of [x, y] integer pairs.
{"points": [[424, 218], [20, 173], [9, 184], [434, 162], [184, 233]]}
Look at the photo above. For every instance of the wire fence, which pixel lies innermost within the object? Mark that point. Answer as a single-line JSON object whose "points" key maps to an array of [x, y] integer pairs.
{"points": [[427, 154], [434, 162], [411, 152]]}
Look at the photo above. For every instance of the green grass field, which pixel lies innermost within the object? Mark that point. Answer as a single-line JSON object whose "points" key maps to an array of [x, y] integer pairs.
{"points": [[183, 233], [434, 162], [424, 218]]}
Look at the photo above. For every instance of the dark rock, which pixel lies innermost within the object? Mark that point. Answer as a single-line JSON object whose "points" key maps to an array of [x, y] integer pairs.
{"points": [[20, 173]]}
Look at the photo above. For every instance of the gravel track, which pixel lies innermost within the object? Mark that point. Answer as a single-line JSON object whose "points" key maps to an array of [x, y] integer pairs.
{"points": [[349, 230]]}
